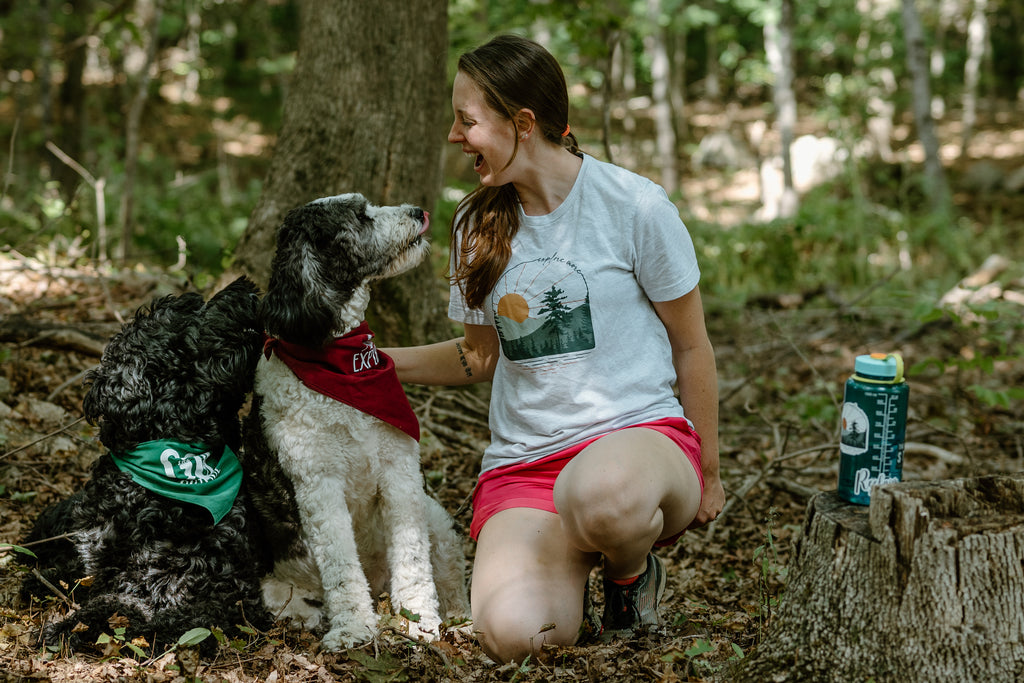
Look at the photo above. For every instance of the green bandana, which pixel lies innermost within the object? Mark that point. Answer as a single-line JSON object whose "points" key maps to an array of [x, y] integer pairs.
{"points": [[185, 472]]}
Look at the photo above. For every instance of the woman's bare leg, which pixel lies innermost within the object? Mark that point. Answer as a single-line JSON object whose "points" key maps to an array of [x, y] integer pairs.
{"points": [[528, 582]]}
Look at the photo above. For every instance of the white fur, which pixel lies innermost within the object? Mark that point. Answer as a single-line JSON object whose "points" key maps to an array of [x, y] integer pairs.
{"points": [[360, 494]]}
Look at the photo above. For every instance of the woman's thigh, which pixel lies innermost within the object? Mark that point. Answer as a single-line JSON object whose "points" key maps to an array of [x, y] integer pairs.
{"points": [[528, 582], [638, 476]]}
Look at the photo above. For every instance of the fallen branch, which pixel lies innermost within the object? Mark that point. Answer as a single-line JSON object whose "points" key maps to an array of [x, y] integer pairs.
{"points": [[41, 439], [22, 331], [68, 382], [56, 591], [467, 440], [794, 487], [934, 451]]}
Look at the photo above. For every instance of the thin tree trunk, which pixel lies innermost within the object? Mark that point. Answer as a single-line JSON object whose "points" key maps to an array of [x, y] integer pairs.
{"points": [[660, 79], [677, 93], [149, 18], [977, 39], [712, 79], [624, 80], [71, 110], [608, 93], [778, 43], [935, 177]]}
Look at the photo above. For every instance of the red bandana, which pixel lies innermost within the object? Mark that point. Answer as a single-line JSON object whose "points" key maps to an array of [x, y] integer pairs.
{"points": [[350, 369]]}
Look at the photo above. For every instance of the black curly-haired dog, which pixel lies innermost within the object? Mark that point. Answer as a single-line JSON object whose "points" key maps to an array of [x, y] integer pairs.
{"points": [[166, 398]]}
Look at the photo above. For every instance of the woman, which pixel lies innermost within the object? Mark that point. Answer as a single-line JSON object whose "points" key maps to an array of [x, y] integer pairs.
{"points": [[576, 284]]}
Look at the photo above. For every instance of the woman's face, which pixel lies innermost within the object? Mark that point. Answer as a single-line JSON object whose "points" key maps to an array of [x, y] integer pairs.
{"points": [[484, 135]]}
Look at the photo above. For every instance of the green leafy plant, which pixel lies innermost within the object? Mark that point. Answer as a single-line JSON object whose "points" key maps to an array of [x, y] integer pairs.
{"points": [[986, 335], [112, 644], [771, 572]]}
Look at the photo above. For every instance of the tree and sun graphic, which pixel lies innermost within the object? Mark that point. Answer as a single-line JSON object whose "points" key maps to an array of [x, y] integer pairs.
{"points": [[542, 311]]}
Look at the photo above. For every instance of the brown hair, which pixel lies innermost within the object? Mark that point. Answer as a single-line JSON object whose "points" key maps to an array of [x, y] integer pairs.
{"points": [[513, 73]]}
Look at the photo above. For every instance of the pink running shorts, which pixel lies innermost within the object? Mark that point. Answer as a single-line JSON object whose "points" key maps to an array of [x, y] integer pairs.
{"points": [[531, 485]]}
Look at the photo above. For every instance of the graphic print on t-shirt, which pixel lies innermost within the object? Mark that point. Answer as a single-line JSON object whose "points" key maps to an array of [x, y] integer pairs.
{"points": [[542, 310]]}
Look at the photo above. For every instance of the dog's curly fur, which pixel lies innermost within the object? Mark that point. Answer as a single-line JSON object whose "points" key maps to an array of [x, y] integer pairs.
{"points": [[347, 512], [180, 370]]}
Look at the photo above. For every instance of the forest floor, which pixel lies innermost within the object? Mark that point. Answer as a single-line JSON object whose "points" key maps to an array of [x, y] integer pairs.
{"points": [[782, 369]]}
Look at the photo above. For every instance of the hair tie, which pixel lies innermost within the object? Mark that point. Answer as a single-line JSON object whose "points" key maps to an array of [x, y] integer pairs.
{"points": [[566, 131]]}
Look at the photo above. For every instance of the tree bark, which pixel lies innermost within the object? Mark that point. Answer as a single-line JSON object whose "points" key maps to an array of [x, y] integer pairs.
{"points": [[365, 113], [925, 584]]}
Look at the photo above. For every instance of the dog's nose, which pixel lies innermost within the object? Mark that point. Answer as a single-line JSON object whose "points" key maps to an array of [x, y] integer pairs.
{"points": [[418, 213]]}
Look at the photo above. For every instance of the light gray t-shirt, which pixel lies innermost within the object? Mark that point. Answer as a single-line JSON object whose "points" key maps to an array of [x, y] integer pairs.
{"points": [[582, 350]]}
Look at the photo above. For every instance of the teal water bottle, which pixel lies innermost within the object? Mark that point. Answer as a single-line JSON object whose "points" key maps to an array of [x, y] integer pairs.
{"points": [[874, 426]]}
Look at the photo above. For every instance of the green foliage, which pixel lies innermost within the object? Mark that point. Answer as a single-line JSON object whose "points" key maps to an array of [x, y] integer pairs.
{"points": [[988, 335], [846, 236], [236, 56], [194, 637]]}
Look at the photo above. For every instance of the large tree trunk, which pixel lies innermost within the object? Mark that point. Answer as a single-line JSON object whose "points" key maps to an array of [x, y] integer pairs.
{"points": [[365, 113], [926, 584]]}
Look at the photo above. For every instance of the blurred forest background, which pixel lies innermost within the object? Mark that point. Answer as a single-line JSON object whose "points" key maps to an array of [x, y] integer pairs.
{"points": [[852, 172], [141, 131]]}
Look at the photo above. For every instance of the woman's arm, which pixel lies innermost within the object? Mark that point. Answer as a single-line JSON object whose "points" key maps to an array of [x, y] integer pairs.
{"points": [[465, 360], [694, 361]]}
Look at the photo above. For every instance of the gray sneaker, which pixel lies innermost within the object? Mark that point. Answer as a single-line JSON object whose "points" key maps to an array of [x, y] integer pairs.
{"points": [[627, 607]]}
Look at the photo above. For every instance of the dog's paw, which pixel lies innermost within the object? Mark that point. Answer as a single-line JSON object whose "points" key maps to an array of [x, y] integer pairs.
{"points": [[340, 638], [426, 629], [286, 601]]}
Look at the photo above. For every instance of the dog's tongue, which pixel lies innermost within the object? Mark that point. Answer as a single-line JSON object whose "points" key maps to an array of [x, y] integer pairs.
{"points": [[426, 222]]}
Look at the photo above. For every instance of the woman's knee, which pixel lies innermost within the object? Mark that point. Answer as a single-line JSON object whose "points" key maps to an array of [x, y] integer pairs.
{"points": [[510, 632]]}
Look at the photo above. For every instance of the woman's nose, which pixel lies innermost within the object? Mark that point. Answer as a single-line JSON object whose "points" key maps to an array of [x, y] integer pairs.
{"points": [[454, 135]]}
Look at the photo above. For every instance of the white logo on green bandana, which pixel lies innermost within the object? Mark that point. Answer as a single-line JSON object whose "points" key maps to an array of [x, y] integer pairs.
{"points": [[190, 468]]}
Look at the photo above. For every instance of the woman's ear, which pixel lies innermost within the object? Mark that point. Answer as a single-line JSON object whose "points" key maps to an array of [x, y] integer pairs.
{"points": [[525, 123]]}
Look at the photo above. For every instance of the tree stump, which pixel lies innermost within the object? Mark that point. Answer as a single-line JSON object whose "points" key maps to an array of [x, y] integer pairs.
{"points": [[925, 584]]}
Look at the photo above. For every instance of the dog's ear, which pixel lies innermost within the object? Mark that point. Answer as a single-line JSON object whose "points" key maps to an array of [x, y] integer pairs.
{"points": [[229, 340], [294, 309], [292, 312]]}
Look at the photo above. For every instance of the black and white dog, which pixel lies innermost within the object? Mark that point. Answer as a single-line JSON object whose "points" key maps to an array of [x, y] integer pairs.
{"points": [[332, 439], [159, 535]]}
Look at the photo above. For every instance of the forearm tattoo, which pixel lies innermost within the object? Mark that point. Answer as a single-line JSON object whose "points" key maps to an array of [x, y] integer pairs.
{"points": [[462, 359]]}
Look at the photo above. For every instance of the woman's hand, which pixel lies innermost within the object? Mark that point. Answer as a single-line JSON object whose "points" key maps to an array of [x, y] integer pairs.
{"points": [[711, 503]]}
